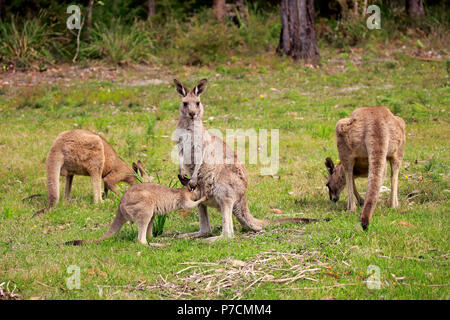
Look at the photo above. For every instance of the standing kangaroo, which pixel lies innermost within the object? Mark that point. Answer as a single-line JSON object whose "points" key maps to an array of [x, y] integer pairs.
{"points": [[142, 202], [365, 142], [82, 152], [213, 166]]}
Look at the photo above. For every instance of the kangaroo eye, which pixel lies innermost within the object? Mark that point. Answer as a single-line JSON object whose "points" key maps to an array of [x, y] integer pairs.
{"points": [[198, 104], [185, 104]]}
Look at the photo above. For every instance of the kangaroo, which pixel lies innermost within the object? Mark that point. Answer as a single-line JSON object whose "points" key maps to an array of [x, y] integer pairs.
{"points": [[143, 201], [215, 168], [365, 142], [82, 152]]}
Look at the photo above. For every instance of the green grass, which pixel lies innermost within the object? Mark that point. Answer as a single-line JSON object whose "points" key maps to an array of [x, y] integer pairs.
{"points": [[259, 92]]}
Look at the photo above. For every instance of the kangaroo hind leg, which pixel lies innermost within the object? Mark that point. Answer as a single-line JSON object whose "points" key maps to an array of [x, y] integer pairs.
{"points": [[68, 189], [348, 167], [395, 168], [115, 226], [143, 224]]}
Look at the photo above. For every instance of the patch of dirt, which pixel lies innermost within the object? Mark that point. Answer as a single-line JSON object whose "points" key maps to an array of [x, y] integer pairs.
{"points": [[66, 75]]}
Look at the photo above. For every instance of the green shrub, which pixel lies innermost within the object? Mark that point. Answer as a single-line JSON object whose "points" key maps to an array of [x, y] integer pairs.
{"points": [[120, 44], [203, 40], [197, 42], [26, 44]]}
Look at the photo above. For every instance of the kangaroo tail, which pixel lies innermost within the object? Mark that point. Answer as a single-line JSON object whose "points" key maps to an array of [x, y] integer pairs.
{"points": [[297, 220], [78, 242], [377, 166], [115, 227], [245, 218], [55, 161]]}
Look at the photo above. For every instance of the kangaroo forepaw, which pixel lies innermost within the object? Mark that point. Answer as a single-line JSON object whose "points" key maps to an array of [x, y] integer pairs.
{"points": [[183, 179], [192, 184]]}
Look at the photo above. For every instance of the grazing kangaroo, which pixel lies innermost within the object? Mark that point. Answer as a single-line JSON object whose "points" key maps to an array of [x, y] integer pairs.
{"points": [[365, 142], [82, 152], [215, 168], [143, 201]]}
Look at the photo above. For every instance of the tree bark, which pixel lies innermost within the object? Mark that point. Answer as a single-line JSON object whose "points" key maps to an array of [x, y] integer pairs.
{"points": [[414, 8], [2, 10], [219, 8], [151, 9], [298, 37], [89, 18]]}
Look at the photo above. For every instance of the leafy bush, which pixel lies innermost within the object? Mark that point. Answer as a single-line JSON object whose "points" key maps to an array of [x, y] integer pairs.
{"points": [[120, 44], [26, 44], [197, 42], [204, 40]]}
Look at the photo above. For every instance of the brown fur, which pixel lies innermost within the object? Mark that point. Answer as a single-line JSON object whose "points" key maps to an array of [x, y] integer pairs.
{"points": [[219, 173], [82, 152], [224, 182], [143, 201], [365, 141]]}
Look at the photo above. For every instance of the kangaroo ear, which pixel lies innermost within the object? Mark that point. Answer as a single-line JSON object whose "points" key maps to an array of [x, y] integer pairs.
{"points": [[330, 165], [200, 87], [139, 166], [184, 181], [181, 89]]}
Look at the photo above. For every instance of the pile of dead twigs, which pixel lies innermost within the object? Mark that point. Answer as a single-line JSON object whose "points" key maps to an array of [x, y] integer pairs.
{"points": [[233, 278], [6, 293]]}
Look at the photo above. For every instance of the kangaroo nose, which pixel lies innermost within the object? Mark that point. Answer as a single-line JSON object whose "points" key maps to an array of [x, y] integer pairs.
{"points": [[334, 198], [192, 114]]}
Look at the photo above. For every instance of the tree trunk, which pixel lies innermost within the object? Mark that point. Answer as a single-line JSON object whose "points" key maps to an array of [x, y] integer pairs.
{"points": [[298, 37], [2, 10], [150, 10], [219, 8], [89, 18], [414, 8]]}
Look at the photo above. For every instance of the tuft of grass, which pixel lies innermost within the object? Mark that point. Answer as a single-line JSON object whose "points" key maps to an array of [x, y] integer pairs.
{"points": [[158, 225], [132, 141], [323, 132], [9, 211], [150, 128], [430, 165]]}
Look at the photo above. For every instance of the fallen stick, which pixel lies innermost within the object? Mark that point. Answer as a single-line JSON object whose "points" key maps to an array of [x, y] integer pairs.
{"points": [[324, 287]]}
